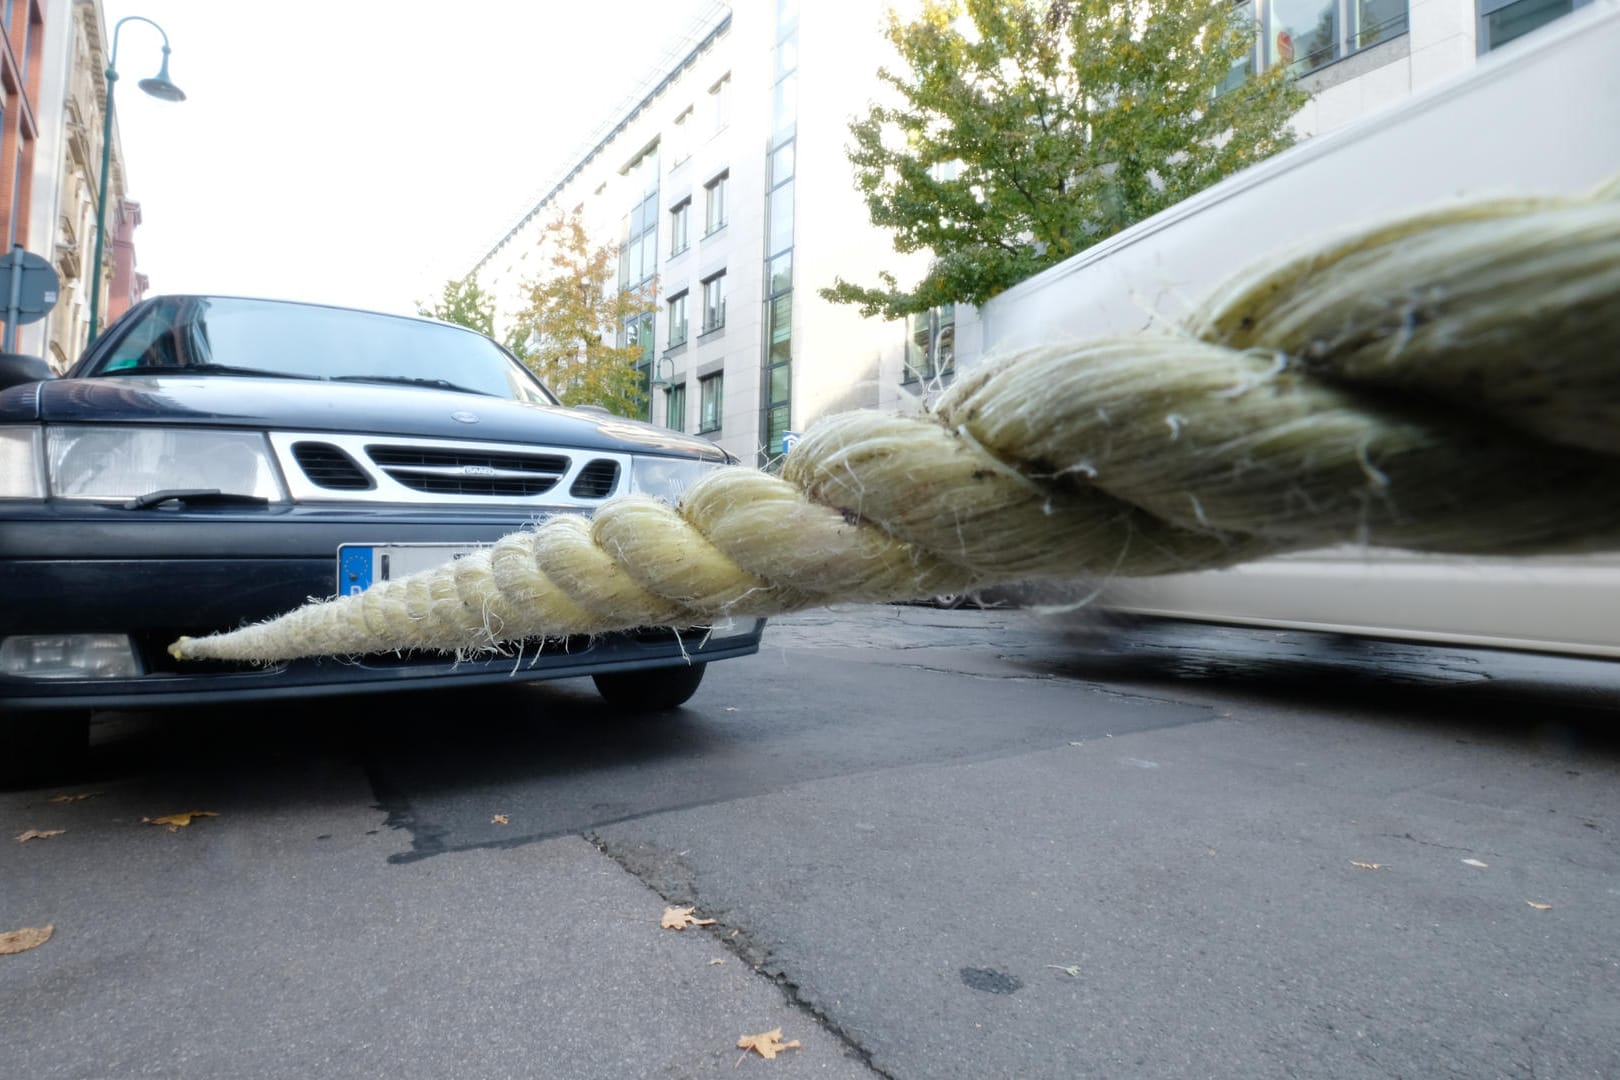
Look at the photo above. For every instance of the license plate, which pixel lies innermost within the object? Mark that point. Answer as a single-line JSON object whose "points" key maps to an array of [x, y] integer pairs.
{"points": [[360, 566]]}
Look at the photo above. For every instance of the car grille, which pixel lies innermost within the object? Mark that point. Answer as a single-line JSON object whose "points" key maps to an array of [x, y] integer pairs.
{"points": [[340, 467], [458, 472], [596, 479], [329, 467]]}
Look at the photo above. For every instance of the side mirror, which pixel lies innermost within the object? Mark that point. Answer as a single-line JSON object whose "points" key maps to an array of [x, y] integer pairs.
{"points": [[17, 369]]}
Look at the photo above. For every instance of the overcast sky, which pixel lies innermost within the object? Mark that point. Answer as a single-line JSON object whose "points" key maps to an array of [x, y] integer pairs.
{"points": [[361, 152]]}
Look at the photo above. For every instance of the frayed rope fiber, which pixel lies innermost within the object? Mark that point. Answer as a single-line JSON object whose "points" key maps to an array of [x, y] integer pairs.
{"points": [[1448, 382]]}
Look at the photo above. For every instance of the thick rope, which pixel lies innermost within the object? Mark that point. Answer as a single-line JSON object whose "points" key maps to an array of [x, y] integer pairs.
{"points": [[1448, 382]]}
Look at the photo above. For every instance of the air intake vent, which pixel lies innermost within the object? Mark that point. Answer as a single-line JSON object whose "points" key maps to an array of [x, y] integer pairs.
{"points": [[469, 472], [329, 467], [596, 480]]}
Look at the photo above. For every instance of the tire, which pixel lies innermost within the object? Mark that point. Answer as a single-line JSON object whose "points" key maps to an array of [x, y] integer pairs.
{"points": [[43, 746], [650, 689]]}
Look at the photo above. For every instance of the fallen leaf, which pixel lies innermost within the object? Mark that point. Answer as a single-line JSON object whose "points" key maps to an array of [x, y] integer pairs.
{"points": [[1539, 907], [500, 819], [1072, 970], [1475, 862], [768, 1044], [679, 918], [38, 834], [73, 798], [715, 961], [16, 941], [174, 821], [1367, 865]]}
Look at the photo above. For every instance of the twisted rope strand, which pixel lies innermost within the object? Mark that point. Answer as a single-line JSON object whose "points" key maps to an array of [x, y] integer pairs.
{"points": [[1447, 382]]}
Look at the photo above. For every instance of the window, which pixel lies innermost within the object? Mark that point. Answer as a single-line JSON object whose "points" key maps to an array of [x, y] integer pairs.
{"points": [[931, 349], [710, 402], [680, 142], [720, 102], [1304, 35], [1502, 21], [714, 302], [678, 216], [675, 407], [714, 211], [638, 241], [677, 320]]}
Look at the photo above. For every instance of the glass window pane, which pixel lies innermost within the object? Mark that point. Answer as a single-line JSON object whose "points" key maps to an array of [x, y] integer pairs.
{"points": [[785, 105], [781, 382], [782, 273], [787, 54], [1303, 34], [782, 163], [781, 234], [1377, 20], [1516, 20], [776, 427]]}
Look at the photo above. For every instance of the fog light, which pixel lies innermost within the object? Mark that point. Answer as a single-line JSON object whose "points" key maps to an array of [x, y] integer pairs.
{"points": [[69, 656]]}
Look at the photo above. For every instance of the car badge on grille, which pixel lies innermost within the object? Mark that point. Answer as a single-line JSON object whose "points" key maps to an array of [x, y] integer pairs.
{"points": [[477, 470], [465, 417]]}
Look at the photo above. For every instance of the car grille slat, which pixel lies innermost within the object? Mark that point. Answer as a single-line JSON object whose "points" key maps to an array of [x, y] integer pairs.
{"points": [[596, 480], [328, 466], [441, 471]]}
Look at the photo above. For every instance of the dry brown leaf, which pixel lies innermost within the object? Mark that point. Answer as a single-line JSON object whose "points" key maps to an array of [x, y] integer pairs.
{"points": [[1539, 907], [679, 918], [179, 820], [1367, 865], [31, 937], [38, 834], [73, 798], [768, 1044], [500, 819]]}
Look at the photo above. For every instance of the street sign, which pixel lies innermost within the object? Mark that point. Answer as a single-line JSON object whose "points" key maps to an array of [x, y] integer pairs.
{"points": [[790, 439], [28, 288]]}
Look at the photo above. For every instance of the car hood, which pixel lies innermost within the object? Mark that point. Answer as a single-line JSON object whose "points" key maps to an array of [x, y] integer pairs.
{"points": [[356, 408]]}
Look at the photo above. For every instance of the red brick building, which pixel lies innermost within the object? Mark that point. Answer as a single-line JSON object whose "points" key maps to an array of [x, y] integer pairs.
{"points": [[20, 65]]}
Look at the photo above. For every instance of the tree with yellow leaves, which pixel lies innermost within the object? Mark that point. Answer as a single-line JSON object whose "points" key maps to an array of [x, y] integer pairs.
{"points": [[578, 330]]}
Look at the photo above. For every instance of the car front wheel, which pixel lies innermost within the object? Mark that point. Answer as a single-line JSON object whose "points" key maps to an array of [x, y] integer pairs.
{"points": [[650, 689], [42, 745]]}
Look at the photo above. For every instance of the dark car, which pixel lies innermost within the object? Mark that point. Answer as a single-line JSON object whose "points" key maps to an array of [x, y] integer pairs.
{"points": [[213, 461]]}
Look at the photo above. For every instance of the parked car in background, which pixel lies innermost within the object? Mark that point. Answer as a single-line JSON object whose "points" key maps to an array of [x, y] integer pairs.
{"points": [[213, 461]]}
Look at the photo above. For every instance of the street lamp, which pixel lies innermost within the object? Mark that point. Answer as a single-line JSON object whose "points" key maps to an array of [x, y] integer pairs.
{"points": [[159, 87]]}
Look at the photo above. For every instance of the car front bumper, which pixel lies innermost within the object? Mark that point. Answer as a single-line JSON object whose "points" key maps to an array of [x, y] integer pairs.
{"points": [[157, 574]]}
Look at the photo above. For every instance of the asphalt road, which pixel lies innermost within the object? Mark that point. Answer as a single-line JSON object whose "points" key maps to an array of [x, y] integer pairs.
{"points": [[935, 844]]}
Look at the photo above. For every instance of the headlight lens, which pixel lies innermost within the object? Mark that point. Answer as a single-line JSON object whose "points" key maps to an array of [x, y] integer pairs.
{"points": [[667, 478], [127, 462], [20, 474]]}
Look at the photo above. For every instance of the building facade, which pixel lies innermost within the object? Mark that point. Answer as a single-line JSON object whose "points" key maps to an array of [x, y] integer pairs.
{"points": [[726, 183], [69, 57]]}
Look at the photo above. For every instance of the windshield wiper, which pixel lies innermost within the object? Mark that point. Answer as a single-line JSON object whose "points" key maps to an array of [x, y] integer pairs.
{"points": [[204, 369], [194, 497], [412, 380]]}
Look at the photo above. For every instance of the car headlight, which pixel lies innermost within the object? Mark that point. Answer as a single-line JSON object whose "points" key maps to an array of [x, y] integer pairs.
{"points": [[128, 462], [20, 474], [667, 478]]}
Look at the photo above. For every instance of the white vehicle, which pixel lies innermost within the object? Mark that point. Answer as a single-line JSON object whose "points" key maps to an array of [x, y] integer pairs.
{"points": [[1543, 117]]}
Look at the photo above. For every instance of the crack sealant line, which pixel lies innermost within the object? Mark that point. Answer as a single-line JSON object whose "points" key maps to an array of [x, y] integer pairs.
{"points": [[742, 944]]}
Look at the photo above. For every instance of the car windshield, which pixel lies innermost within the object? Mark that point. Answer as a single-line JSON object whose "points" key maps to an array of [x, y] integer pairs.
{"points": [[224, 336]]}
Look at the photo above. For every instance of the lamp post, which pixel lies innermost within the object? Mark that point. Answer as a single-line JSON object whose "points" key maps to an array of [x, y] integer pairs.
{"points": [[159, 87]]}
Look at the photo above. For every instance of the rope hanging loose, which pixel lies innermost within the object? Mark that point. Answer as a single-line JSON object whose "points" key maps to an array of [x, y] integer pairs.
{"points": [[1447, 382]]}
